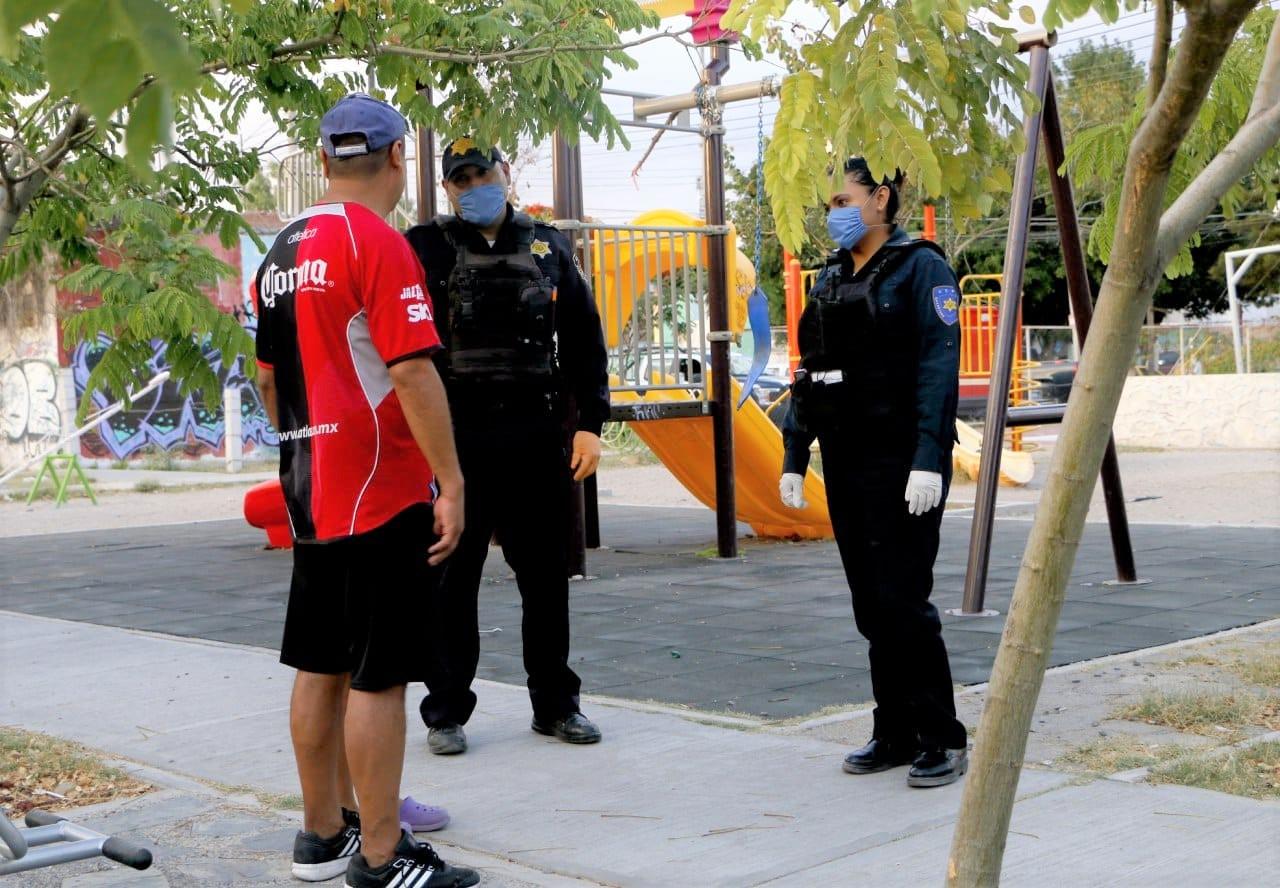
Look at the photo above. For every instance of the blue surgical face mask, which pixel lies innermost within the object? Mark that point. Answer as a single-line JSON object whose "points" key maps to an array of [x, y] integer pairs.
{"points": [[846, 226], [482, 204]]}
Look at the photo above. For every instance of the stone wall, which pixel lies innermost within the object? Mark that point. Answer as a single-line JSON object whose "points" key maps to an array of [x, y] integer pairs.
{"points": [[1188, 412]]}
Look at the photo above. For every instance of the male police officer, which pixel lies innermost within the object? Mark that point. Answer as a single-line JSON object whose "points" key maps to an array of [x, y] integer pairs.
{"points": [[521, 332]]}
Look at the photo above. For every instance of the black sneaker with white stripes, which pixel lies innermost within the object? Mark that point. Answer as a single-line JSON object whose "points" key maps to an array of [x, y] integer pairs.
{"points": [[413, 865], [316, 859]]}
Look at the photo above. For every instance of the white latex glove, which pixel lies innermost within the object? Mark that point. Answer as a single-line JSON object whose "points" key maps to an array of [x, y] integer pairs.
{"points": [[791, 488], [924, 491]]}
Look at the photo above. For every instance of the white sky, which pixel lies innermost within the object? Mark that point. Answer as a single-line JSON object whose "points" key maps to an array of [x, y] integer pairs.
{"points": [[670, 176]]}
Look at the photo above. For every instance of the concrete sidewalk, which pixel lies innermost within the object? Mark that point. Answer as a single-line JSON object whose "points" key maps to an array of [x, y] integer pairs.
{"points": [[665, 800]]}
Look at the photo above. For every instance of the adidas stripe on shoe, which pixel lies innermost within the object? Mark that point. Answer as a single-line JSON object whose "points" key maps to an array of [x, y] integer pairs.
{"points": [[317, 859], [413, 865]]}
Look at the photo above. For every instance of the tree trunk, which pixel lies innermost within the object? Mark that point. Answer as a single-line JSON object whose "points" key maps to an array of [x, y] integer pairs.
{"points": [[987, 806], [25, 191]]}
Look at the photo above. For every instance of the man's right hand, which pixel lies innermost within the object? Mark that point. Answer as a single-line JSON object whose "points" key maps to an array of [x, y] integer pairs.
{"points": [[449, 512], [791, 489]]}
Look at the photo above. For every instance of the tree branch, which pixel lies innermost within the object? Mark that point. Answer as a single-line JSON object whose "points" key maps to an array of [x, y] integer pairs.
{"points": [[6, 177], [1160, 49], [303, 47], [1267, 93], [300, 48], [1231, 164], [23, 192], [506, 55], [1187, 83]]}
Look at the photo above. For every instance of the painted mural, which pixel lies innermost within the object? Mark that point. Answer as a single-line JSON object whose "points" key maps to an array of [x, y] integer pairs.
{"points": [[167, 420]]}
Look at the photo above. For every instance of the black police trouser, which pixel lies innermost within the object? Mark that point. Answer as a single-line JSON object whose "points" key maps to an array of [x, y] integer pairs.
{"points": [[517, 484], [888, 557]]}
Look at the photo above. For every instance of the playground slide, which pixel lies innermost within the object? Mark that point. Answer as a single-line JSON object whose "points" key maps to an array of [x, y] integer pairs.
{"points": [[1016, 467], [685, 448]]}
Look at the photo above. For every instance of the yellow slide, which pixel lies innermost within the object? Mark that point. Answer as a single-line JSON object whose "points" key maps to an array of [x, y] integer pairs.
{"points": [[685, 445], [1016, 467]]}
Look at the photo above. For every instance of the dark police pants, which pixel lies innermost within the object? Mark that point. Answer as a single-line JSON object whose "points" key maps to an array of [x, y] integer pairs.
{"points": [[888, 557], [517, 484]]}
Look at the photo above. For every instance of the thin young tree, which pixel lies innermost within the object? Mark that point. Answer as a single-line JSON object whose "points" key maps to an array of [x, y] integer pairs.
{"points": [[916, 84]]}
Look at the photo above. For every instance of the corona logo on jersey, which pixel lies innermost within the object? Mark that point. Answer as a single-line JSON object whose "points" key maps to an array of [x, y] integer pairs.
{"points": [[308, 274]]}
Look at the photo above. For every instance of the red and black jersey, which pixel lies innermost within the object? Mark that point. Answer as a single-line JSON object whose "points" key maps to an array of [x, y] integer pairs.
{"points": [[340, 298]]}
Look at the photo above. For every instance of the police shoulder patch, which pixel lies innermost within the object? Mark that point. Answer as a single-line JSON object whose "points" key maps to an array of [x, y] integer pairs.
{"points": [[946, 302], [540, 248]]}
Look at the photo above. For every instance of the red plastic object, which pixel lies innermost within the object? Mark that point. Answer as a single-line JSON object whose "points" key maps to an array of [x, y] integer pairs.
{"points": [[706, 15], [264, 507]]}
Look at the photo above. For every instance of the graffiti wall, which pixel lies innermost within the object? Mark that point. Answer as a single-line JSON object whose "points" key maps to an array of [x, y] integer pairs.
{"points": [[168, 420], [30, 402]]}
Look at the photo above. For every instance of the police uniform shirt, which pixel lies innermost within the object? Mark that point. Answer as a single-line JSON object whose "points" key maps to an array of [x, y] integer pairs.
{"points": [[580, 349], [923, 291]]}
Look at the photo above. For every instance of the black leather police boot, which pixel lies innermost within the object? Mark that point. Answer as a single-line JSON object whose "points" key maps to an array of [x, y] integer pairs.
{"points": [[878, 755], [573, 728], [938, 767]]}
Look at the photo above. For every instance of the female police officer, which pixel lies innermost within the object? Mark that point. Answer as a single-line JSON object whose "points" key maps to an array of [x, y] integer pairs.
{"points": [[877, 386]]}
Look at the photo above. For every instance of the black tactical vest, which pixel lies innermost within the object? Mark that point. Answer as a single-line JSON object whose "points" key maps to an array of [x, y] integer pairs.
{"points": [[843, 327], [501, 313]]}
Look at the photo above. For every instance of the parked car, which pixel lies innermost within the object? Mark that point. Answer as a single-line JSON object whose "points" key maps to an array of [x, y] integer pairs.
{"points": [[1055, 382]]}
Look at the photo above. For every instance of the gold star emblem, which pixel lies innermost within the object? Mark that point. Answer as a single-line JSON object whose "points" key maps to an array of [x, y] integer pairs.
{"points": [[540, 248], [949, 305], [462, 146]]}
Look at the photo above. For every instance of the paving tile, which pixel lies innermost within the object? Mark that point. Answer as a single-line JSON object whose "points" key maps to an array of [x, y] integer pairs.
{"points": [[851, 654], [1192, 622]]}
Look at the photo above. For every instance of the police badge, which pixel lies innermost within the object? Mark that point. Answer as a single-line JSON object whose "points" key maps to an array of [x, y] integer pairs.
{"points": [[946, 302]]}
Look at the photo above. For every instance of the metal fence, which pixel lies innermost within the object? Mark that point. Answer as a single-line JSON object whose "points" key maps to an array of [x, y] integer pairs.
{"points": [[1172, 349], [300, 183], [651, 283]]}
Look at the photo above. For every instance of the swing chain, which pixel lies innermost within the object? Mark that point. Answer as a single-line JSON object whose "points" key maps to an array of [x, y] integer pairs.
{"points": [[759, 180]]}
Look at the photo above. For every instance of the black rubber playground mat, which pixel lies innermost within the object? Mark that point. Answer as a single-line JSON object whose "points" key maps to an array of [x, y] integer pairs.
{"points": [[770, 632]]}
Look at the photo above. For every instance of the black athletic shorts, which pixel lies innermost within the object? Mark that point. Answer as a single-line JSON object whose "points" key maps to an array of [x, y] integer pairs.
{"points": [[359, 604]]}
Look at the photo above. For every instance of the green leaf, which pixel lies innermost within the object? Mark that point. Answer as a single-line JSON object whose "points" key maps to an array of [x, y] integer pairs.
{"points": [[155, 32], [15, 14], [119, 70], [149, 124], [76, 36], [1027, 14]]}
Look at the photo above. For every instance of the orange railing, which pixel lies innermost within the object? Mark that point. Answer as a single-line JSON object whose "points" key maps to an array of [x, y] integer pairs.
{"points": [[979, 319]]}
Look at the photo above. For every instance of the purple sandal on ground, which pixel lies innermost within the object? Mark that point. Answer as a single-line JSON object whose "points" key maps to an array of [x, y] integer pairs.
{"points": [[417, 817]]}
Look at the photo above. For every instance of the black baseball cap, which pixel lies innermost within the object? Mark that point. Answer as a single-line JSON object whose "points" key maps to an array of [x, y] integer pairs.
{"points": [[465, 152], [360, 114]]}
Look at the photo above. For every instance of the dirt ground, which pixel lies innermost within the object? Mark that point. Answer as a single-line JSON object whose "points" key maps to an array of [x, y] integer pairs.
{"points": [[1139, 709]]}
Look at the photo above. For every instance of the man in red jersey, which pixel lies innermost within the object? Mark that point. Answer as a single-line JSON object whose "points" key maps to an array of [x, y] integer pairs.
{"points": [[373, 490]]}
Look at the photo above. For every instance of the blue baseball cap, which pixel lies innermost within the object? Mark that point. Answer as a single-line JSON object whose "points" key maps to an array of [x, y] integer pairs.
{"points": [[360, 114]]}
